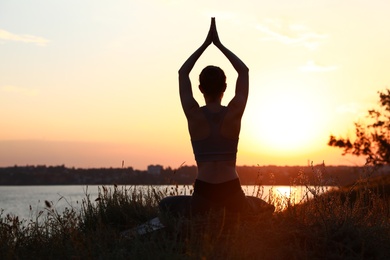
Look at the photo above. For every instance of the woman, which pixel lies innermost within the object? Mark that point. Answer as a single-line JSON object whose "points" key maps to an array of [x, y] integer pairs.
{"points": [[214, 131]]}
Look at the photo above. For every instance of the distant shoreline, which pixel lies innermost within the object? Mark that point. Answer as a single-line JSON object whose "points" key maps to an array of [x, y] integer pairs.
{"points": [[185, 175]]}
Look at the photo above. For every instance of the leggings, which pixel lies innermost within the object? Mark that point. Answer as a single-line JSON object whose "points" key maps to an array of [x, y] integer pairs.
{"points": [[208, 196]]}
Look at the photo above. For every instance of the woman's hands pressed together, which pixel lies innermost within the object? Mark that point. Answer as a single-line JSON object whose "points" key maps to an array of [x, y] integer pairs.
{"points": [[212, 36]]}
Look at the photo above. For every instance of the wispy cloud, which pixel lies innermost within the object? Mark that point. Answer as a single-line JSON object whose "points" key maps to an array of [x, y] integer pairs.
{"points": [[19, 90], [8, 36], [290, 34], [311, 66]]}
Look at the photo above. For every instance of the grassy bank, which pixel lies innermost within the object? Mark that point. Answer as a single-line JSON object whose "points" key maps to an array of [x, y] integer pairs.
{"points": [[350, 223]]}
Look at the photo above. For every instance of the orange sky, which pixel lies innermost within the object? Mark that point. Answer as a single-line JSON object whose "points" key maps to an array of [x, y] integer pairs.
{"points": [[92, 84]]}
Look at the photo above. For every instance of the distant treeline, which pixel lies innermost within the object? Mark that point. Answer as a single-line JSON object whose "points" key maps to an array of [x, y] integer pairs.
{"points": [[249, 175]]}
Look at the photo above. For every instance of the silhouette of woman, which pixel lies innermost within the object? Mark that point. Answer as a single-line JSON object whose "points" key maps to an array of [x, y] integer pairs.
{"points": [[214, 131]]}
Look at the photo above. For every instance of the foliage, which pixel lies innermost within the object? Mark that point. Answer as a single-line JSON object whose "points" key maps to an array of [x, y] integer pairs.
{"points": [[372, 138]]}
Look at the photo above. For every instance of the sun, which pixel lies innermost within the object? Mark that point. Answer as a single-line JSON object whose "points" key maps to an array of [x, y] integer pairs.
{"points": [[284, 119]]}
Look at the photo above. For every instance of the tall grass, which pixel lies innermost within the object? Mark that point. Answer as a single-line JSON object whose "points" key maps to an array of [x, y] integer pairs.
{"points": [[346, 223]]}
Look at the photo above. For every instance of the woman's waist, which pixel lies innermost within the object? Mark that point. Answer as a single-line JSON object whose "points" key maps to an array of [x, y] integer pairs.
{"points": [[217, 171]]}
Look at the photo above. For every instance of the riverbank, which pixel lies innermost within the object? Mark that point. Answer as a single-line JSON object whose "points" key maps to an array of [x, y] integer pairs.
{"points": [[184, 175], [337, 225]]}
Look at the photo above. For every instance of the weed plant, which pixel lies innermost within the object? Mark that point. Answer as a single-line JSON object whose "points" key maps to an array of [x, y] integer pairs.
{"points": [[344, 223]]}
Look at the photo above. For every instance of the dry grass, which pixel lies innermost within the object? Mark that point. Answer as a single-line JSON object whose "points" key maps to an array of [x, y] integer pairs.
{"points": [[348, 223]]}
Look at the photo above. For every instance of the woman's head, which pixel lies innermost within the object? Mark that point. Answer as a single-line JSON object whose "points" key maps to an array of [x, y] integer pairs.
{"points": [[212, 82]]}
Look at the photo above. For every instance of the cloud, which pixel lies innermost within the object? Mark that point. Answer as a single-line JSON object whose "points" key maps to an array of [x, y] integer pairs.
{"points": [[290, 34], [8, 36], [19, 90], [311, 66]]}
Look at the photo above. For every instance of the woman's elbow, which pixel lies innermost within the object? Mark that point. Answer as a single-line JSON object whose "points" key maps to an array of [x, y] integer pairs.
{"points": [[243, 71], [183, 71]]}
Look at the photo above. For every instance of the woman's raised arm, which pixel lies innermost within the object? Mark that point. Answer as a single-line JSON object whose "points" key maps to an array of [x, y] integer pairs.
{"points": [[187, 99], [242, 84]]}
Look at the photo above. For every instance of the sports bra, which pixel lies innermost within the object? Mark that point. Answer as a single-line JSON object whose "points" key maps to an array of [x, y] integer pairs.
{"points": [[215, 147]]}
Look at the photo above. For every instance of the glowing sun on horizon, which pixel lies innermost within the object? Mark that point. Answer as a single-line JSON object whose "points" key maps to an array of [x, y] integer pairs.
{"points": [[284, 120]]}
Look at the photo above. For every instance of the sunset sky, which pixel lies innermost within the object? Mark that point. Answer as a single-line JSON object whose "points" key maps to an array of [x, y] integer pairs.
{"points": [[94, 83]]}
